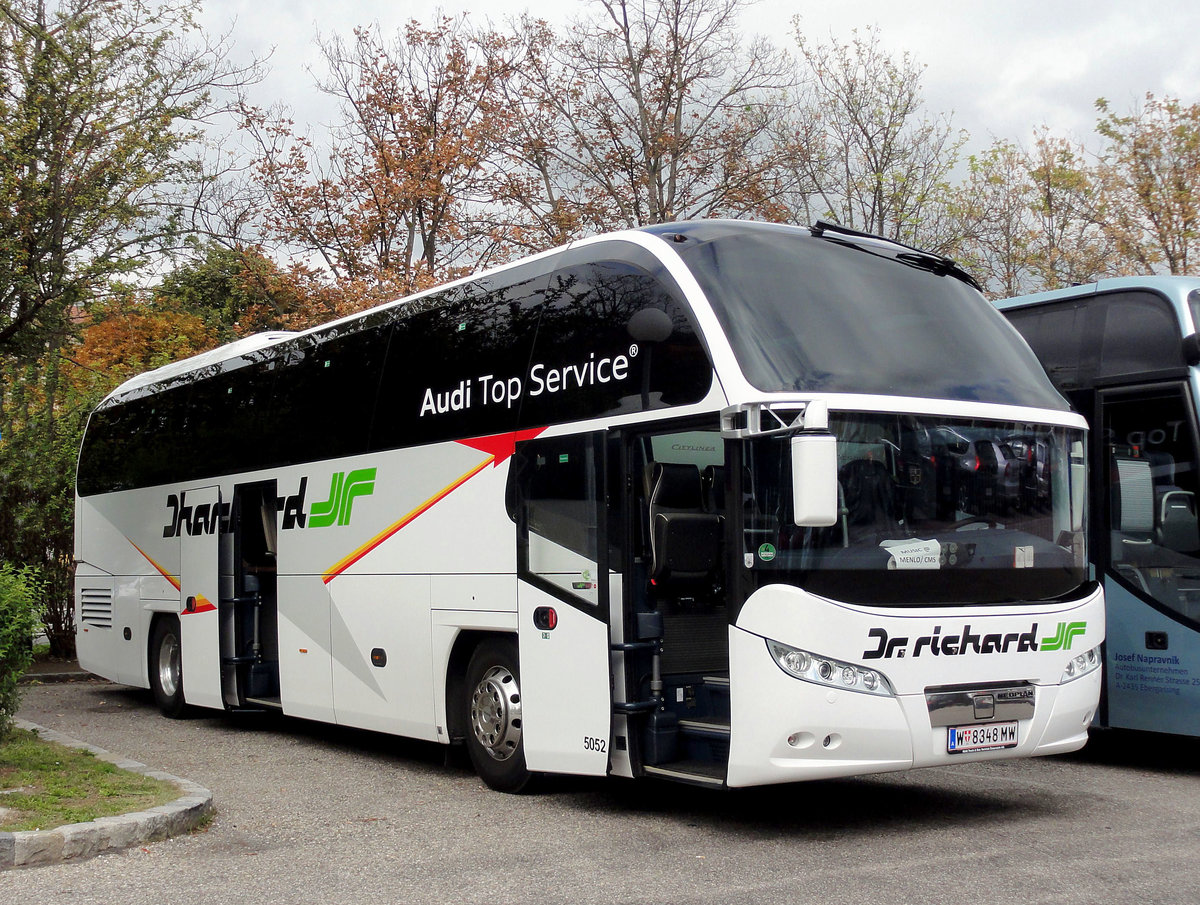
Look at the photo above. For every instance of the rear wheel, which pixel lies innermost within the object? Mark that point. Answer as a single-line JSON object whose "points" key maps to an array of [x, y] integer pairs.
{"points": [[493, 711], [166, 667]]}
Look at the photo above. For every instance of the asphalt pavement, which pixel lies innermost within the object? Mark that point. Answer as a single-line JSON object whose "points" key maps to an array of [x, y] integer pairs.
{"points": [[307, 813]]}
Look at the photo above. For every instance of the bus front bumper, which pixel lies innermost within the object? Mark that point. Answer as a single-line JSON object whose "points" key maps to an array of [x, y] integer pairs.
{"points": [[787, 730]]}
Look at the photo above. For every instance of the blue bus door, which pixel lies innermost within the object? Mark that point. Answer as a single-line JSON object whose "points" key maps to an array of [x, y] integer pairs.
{"points": [[1148, 450]]}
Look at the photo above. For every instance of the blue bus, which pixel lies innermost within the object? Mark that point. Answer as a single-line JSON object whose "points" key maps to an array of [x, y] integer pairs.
{"points": [[1126, 353]]}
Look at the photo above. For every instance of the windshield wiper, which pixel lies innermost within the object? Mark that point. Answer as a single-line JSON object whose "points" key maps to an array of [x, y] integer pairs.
{"points": [[912, 256]]}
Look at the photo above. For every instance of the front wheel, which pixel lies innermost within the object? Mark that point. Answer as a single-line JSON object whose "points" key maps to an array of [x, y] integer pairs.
{"points": [[166, 667], [493, 710]]}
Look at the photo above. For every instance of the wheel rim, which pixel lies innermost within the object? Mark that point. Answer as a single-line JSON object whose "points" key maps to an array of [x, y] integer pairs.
{"points": [[496, 713], [168, 665]]}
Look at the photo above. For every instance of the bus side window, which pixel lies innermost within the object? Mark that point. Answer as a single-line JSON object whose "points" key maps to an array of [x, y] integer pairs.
{"points": [[1153, 520], [555, 501]]}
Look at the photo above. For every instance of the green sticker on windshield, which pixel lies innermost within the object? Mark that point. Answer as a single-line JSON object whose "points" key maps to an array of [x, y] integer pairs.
{"points": [[766, 552]]}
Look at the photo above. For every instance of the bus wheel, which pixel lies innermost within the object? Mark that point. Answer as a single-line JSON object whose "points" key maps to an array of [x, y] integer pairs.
{"points": [[166, 667], [493, 708]]}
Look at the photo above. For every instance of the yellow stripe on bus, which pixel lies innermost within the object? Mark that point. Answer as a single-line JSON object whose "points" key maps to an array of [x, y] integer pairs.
{"points": [[163, 572], [345, 563]]}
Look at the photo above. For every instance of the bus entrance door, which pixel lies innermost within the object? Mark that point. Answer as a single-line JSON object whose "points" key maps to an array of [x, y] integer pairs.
{"points": [[1152, 579], [249, 619], [199, 593], [562, 606]]}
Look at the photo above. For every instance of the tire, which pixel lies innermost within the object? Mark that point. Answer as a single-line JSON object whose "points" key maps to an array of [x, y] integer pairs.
{"points": [[166, 667], [492, 709]]}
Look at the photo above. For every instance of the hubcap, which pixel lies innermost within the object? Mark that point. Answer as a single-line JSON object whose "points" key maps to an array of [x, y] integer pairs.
{"points": [[168, 665], [496, 712]]}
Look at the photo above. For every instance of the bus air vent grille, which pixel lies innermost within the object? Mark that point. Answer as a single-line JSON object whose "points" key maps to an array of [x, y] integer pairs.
{"points": [[96, 606]]}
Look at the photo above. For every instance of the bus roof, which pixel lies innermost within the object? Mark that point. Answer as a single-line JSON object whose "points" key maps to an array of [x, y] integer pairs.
{"points": [[220, 354], [857, 310], [1175, 288]]}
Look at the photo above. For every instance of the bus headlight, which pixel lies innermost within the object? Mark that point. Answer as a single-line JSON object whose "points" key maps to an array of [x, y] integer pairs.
{"points": [[1080, 666], [810, 667]]}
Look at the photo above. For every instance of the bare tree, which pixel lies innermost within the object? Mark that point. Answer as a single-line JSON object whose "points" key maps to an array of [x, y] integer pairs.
{"points": [[992, 210], [652, 111], [878, 161]]}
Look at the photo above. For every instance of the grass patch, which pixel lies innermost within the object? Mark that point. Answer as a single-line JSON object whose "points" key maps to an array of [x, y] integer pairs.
{"points": [[44, 785]]}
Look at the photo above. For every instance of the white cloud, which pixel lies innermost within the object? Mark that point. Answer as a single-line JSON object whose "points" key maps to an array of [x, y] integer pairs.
{"points": [[1002, 68]]}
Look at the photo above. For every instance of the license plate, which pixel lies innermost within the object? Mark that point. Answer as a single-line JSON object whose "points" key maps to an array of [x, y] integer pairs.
{"points": [[981, 737]]}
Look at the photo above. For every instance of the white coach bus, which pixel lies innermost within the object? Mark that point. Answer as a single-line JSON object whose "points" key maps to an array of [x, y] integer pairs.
{"points": [[720, 502]]}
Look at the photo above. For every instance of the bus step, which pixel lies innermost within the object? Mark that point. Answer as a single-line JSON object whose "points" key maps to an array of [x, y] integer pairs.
{"points": [[705, 739], [696, 772], [714, 728], [270, 703]]}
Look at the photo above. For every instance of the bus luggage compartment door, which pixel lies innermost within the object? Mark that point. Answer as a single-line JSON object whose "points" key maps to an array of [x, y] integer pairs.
{"points": [[564, 659], [199, 593]]}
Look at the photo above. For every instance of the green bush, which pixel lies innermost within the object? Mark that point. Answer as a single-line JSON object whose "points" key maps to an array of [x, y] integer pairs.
{"points": [[20, 611]]}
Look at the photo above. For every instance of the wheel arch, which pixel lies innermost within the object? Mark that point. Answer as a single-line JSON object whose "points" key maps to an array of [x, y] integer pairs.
{"points": [[155, 618], [456, 677]]}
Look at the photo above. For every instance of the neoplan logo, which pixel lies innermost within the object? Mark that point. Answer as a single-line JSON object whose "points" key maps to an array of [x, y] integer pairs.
{"points": [[954, 645], [344, 489]]}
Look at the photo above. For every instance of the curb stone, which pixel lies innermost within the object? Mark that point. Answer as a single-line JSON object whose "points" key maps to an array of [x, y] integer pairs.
{"points": [[75, 841]]}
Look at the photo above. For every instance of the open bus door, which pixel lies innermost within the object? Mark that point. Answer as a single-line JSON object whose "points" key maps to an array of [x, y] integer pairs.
{"points": [[1151, 459], [563, 604], [199, 594]]}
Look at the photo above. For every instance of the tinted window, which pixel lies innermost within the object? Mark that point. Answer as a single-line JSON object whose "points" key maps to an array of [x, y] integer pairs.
{"points": [[556, 491], [1140, 335], [809, 314], [1103, 338], [135, 445], [457, 361], [1054, 332], [223, 414], [327, 388], [453, 364], [1154, 523], [592, 358]]}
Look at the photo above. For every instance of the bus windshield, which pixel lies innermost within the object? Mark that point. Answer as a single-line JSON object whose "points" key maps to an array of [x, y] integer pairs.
{"points": [[824, 315], [932, 510]]}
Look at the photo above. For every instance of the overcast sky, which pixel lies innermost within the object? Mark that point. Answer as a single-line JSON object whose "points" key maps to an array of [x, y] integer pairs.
{"points": [[1001, 69]]}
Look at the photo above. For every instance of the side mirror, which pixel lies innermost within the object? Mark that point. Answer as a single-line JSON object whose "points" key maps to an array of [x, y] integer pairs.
{"points": [[814, 471], [1191, 349]]}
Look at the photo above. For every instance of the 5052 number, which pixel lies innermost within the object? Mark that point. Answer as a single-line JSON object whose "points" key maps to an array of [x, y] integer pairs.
{"points": [[591, 743]]}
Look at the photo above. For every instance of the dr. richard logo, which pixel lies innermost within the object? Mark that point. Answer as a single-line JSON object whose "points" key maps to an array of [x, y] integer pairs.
{"points": [[344, 489], [965, 641]]}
